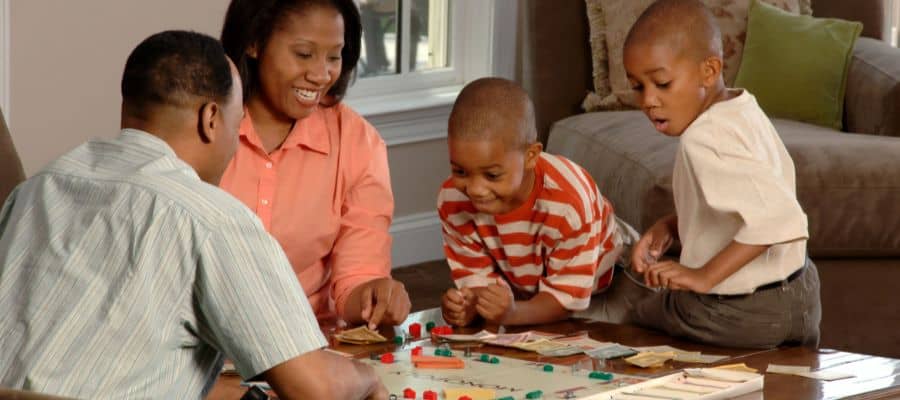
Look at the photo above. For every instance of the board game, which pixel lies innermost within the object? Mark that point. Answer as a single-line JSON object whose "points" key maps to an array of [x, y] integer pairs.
{"points": [[493, 377], [506, 377]]}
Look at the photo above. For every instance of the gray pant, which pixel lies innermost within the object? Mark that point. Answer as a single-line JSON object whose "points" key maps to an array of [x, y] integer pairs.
{"points": [[789, 313]]}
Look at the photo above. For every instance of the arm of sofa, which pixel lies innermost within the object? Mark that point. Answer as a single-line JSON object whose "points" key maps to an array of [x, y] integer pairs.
{"points": [[11, 173], [872, 99]]}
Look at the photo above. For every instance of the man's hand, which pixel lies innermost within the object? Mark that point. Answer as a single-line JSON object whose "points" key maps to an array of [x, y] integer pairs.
{"points": [[458, 306], [496, 301], [380, 393], [653, 244], [672, 275], [320, 374], [384, 301]]}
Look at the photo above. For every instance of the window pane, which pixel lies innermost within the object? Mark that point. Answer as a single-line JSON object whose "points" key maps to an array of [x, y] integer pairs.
{"points": [[379, 50], [429, 32]]}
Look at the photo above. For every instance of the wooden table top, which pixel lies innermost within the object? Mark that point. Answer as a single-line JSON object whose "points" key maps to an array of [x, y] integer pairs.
{"points": [[876, 377]]}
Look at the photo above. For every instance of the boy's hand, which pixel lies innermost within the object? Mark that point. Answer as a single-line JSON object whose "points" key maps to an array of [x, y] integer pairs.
{"points": [[458, 306], [652, 245], [384, 301], [496, 301], [674, 276]]}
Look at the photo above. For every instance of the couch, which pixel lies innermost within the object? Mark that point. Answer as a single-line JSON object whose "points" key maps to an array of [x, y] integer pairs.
{"points": [[848, 181]]}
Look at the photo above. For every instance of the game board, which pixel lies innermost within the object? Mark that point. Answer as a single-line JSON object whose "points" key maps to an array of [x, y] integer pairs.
{"points": [[507, 377], [518, 379]]}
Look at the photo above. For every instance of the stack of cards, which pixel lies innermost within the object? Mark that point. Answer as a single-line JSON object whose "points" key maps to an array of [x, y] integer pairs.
{"points": [[359, 335]]}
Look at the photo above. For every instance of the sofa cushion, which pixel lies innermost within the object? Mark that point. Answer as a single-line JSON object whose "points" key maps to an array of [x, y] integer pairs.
{"points": [[609, 23], [848, 184], [813, 56]]}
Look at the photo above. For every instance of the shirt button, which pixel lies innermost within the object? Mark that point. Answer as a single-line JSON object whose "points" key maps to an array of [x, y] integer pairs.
{"points": [[264, 202], [269, 165]]}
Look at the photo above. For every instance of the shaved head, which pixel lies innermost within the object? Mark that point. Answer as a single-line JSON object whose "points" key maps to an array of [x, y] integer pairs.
{"points": [[493, 108], [685, 25]]}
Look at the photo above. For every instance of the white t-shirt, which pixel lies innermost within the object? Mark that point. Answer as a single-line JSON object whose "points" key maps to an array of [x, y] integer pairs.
{"points": [[734, 180]]}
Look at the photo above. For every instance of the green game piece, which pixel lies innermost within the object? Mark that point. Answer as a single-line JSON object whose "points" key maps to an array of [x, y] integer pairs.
{"points": [[534, 395], [548, 368], [398, 339], [448, 353], [507, 398], [485, 358], [438, 352], [495, 360], [600, 375], [429, 326]]}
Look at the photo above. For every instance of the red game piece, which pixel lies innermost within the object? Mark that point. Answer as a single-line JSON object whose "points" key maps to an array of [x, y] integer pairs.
{"points": [[415, 330], [387, 358], [429, 395], [417, 351], [409, 393], [442, 330], [464, 398]]}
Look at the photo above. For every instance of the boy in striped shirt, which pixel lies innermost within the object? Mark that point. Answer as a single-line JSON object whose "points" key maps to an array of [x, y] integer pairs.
{"points": [[527, 235]]}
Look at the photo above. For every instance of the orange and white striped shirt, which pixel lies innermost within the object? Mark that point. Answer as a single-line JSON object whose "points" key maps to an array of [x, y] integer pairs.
{"points": [[563, 240]]}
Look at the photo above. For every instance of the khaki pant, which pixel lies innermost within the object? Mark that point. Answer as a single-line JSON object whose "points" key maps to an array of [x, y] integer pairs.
{"points": [[787, 314]]}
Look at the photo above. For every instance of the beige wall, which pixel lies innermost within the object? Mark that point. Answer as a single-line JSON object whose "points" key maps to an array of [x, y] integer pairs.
{"points": [[417, 171], [66, 65], [66, 60]]}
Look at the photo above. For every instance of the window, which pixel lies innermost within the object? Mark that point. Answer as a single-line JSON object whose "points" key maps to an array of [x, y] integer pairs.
{"points": [[421, 25], [895, 23], [417, 54]]}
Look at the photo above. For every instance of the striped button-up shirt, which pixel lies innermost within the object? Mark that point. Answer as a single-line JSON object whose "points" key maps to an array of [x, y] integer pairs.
{"points": [[123, 275]]}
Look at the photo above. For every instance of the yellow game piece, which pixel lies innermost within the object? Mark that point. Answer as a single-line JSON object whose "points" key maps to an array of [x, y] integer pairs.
{"points": [[474, 393]]}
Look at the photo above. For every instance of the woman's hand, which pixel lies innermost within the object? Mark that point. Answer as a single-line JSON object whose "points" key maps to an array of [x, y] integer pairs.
{"points": [[384, 301]]}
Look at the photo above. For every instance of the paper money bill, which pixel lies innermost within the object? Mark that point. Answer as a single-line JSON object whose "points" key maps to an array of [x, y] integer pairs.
{"points": [[684, 355], [787, 369], [360, 335], [477, 337], [826, 375], [650, 359], [548, 348], [611, 351], [737, 367]]}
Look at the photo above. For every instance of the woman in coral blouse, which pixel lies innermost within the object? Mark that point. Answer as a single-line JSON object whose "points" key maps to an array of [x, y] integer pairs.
{"points": [[313, 170]]}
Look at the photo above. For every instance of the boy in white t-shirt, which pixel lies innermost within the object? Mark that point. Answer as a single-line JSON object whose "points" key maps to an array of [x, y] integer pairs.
{"points": [[743, 278]]}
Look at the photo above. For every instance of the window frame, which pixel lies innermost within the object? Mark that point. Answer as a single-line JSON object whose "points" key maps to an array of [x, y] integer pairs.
{"points": [[474, 36]]}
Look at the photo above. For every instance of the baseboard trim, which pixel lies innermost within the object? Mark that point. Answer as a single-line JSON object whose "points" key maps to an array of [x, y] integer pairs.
{"points": [[417, 238]]}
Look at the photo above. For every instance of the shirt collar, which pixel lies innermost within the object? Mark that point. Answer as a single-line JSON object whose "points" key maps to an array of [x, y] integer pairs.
{"points": [[310, 132], [146, 139]]}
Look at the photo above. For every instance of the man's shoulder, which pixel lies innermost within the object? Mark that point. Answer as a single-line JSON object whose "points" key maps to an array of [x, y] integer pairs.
{"points": [[145, 176]]}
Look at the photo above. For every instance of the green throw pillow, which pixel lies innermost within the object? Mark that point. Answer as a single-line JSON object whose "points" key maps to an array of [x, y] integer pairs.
{"points": [[797, 65]]}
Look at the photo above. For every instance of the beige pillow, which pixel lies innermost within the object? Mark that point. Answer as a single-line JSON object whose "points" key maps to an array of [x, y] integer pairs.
{"points": [[610, 21]]}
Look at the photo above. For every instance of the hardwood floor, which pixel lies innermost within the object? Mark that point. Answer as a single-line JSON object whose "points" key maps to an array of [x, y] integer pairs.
{"points": [[425, 282]]}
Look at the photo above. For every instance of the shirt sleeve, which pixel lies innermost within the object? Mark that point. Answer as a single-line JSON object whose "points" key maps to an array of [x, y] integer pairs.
{"points": [[583, 254], [362, 250], [470, 262], [252, 307], [734, 182]]}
